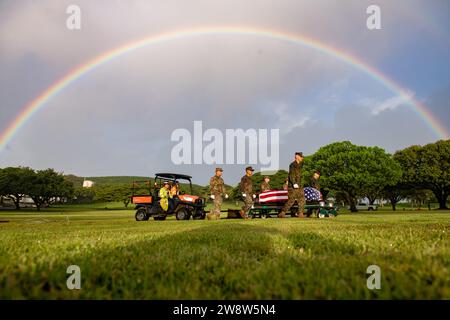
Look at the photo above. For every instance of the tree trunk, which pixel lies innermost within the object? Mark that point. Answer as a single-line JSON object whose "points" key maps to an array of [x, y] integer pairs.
{"points": [[443, 203], [352, 203], [16, 201], [441, 196], [394, 205], [393, 201], [37, 203]]}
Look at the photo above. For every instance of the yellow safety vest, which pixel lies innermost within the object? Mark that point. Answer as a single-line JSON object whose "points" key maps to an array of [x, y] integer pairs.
{"points": [[164, 202]]}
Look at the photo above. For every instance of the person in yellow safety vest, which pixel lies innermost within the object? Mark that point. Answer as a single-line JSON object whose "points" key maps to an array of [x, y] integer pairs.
{"points": [[164, 196], [174, 190]]}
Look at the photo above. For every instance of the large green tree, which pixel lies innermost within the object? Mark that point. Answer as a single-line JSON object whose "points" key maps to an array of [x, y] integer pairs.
{"points": [[47, 185], [15, 183], [354, 171], [83, 195], [427, 167], [396, 193]]}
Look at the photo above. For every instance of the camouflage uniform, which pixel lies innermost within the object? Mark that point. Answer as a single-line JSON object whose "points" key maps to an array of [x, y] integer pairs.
{"points": [[265, 186], [216, 188], [246, 187], [295, 177], [314, 183]]}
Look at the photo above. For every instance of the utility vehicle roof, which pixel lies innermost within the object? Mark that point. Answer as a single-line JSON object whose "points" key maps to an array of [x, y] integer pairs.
{"points": [[173, 176]]}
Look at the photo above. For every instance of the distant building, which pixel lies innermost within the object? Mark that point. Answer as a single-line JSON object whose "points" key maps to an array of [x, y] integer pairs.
{"points": [[88, 184]]}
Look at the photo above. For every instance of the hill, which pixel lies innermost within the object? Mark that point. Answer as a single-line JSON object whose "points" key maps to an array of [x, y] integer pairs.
{"points": [[108, 181]]}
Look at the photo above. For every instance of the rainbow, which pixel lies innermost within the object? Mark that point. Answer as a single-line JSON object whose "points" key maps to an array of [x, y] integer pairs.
{"points": [[40, 101]]}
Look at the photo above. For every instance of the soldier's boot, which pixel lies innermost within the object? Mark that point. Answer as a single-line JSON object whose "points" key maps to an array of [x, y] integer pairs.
{"points": [[243, 215], [282, 214]]}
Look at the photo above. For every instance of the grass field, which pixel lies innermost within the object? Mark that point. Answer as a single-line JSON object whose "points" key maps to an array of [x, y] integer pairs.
{"points": [[227, 259]]}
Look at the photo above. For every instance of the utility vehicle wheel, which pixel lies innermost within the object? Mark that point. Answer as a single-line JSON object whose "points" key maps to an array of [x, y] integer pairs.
{"points": [[141, 215], [183, 214], [159, 218], [201, 216], [265, 214], [321, 214], [317, 212]]}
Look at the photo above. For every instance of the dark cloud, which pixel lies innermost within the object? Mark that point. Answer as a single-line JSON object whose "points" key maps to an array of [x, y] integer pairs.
{"points": [[118, 118]]}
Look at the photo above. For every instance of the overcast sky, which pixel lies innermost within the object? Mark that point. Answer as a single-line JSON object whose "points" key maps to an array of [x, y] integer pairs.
{"points": [[118, 119]]}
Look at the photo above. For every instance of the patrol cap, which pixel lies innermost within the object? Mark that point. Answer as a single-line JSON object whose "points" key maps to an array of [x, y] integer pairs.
{"points": [[299, 154], [249, 168], [219, 169]]}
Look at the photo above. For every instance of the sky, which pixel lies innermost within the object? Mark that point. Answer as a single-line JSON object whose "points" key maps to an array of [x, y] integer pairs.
{"points": [[118, 118]]}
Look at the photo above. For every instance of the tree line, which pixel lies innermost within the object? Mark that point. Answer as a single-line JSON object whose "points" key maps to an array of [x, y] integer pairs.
{"points": [[43, 186], [349, 172], [352, 172]]}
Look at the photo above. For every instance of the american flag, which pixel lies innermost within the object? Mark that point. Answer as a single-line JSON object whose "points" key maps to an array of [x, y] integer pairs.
{"points": [[273, 196], [269, 196], [312, 194]]}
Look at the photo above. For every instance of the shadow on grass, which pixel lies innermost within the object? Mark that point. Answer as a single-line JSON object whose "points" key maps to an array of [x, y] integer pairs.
{"points": [[66, 208], [215, 261]]}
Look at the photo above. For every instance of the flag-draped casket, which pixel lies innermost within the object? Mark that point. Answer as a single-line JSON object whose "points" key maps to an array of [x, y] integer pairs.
{"points": [[273, 196]]}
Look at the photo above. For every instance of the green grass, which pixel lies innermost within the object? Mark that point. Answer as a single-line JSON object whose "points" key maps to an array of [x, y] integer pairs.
{"points": [[227, 259]]}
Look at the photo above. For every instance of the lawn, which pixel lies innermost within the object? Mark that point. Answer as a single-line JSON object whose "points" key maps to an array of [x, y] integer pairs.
{"points": [[227, 259]]}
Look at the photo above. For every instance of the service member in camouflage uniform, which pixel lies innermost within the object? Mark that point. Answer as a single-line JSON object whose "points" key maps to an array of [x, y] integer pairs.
{"points": [[314, 183], [216, 186], [265, 186], [295, 190], [246, 187], [314, 180], [285, 184]]}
